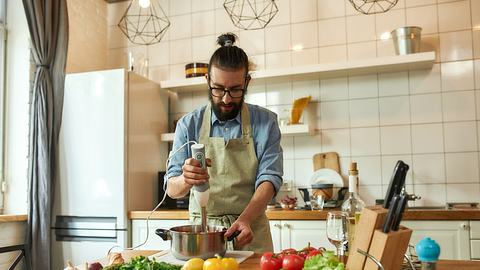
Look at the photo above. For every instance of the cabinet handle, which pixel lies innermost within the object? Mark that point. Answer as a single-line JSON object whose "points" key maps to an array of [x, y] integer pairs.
{"points": [[277, 225], [288, 226], [464, 226]]}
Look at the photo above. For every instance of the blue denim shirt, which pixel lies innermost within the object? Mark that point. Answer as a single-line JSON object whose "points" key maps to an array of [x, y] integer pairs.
{"points": [[266, 137]]}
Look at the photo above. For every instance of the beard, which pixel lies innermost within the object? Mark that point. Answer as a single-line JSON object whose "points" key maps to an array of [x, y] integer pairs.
{"points": [[228, 115]]}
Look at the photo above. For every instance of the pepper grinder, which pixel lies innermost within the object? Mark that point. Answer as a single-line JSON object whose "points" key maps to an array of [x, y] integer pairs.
{"points": [[428, 251]]}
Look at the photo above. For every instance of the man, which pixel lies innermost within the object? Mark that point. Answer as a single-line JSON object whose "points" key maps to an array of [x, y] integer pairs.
{"points": [[242, 144]]}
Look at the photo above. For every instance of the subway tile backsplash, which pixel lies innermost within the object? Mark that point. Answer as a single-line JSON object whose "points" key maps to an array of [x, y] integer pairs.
{"points": [[427, 118]]}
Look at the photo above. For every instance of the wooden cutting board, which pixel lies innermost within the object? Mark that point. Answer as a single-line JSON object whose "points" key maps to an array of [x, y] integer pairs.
{"points": [[326, 160]]}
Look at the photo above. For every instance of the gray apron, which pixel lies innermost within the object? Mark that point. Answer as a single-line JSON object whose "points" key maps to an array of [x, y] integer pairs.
{"points": [[232, 182]]}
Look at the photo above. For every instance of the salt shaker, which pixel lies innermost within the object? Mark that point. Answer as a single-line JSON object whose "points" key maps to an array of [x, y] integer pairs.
{"points": [[428, 251]]}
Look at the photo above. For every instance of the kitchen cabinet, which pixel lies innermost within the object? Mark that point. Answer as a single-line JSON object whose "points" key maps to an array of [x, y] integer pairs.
{"points": [[298, 233], [452, 236], [475, 239], [154, 242]]}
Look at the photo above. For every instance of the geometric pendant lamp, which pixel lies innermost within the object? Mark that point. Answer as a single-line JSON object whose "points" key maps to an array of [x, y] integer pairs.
{"points": [[251, 14], [144, 22], [373, 6]]}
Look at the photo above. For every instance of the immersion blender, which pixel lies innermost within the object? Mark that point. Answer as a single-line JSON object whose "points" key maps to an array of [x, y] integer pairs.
{"points": [[201, 192]]}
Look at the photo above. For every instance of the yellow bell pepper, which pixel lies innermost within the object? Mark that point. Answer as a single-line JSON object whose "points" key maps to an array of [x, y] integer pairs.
{"points": [[229, 264], [212, 264], [193, 264], [219, 263]]}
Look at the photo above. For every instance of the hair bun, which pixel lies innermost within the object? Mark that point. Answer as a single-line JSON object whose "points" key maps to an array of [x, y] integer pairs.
{"points": [[227, 39]]}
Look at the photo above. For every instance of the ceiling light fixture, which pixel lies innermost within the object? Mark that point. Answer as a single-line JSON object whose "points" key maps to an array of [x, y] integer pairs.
{"points": [[373, 6], [145, 22], [144, 3], [251, 14]]}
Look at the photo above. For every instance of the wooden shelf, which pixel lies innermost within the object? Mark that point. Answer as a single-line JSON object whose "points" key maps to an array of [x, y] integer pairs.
{"points": [[326, 70], [289, 130]]}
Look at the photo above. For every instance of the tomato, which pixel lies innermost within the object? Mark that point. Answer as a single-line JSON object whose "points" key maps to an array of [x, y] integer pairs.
{"points": [[270, 261], [292, 262], [289, 251], [313, 253]]}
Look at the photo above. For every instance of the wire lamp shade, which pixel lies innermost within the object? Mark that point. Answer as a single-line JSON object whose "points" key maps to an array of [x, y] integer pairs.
{"points": [[144, 22], [373, 6], [251, 14]]}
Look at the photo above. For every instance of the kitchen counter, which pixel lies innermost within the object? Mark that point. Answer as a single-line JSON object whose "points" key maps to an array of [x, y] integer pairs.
{"points": [[280, 214], [253, 263]]}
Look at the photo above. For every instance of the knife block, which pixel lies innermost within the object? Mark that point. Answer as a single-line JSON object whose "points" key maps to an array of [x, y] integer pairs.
{"points": [[388, 248]]}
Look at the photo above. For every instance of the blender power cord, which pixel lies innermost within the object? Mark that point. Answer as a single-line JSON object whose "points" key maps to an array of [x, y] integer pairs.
{"points": [[165, 183]]}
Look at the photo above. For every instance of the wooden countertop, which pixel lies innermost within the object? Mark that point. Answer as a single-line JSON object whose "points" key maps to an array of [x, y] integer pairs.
{"points": [[13, 218], [280, 214], [253, 263]]}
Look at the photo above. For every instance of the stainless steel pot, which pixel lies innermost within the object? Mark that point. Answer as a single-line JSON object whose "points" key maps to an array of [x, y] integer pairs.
{"points": [[190, 242]]}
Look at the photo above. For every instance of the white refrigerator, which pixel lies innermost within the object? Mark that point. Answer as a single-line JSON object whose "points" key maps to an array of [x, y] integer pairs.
{"points": [[110, 154]]}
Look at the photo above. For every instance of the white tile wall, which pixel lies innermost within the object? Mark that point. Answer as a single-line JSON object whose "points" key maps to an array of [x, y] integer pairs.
{"points": [[425, 17], [428, 118], [427, 138], [393, 84], [428, 169], [456, 46], [454, 16]]}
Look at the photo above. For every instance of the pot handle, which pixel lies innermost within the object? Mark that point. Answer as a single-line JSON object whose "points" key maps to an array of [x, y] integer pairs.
{"points": [[231, 237], [164, 234]]}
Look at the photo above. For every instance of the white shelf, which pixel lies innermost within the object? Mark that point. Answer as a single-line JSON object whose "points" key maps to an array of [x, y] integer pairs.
{"points": [[300, 129], [288, 130], [336, 69], [167, 137]]}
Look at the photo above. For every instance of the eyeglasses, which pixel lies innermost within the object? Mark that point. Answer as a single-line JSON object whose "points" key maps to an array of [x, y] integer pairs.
{"points": [[221, 91]]}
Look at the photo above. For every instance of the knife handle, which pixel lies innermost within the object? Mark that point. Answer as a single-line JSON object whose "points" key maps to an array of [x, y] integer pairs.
{"points": [[390, 215], [402, 202]]}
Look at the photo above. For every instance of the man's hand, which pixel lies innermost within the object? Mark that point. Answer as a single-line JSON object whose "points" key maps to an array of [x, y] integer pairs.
{"points": [[246, 233], [193, 173]]}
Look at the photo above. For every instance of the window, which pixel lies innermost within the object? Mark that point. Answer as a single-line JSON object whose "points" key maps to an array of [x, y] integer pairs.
{"points": [[3, 39]]}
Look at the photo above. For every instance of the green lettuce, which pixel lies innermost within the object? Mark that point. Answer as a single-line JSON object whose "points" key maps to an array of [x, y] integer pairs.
{"points": [[325, 261]]}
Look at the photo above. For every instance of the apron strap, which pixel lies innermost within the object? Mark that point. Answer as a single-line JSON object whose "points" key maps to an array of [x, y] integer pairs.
{"points": [[246, 127], [206, 125], [207, 118]]}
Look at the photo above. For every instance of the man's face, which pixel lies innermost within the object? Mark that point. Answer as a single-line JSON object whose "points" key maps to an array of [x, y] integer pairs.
{"points": [[227, 107]]}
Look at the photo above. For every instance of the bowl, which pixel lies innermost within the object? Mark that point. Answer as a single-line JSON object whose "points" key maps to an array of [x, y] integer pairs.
{"points": [[288, 206]]}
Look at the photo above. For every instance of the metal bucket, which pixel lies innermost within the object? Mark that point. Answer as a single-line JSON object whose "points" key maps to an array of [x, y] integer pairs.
{"points": [[190, 242], [407, 39]]}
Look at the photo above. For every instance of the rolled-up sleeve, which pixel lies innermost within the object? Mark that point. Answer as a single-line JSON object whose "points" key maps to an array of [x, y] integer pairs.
{"points": [[178, 157], [270, 160], [186, 131]]}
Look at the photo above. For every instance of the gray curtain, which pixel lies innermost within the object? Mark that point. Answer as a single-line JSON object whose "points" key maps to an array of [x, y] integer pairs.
{"points": [[48, 25]]}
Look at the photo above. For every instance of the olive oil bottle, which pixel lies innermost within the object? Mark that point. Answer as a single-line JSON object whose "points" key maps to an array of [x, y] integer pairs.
{"points": [[353, 205]]}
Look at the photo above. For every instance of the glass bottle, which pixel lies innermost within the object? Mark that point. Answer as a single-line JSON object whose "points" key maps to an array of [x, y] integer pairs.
{"points": [[353, 205]]}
